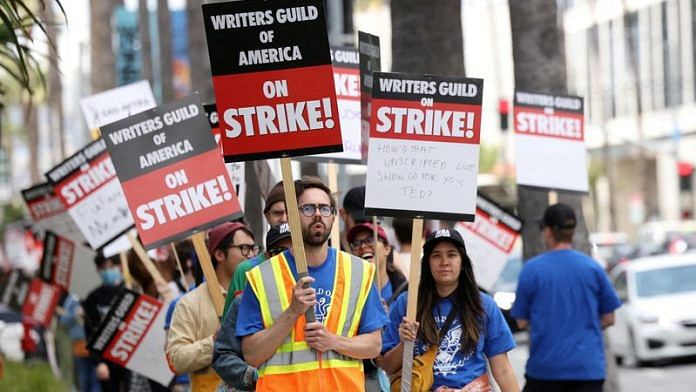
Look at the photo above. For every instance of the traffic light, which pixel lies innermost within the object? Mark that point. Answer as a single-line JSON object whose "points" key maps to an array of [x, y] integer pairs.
{"points": [[503, 110]]}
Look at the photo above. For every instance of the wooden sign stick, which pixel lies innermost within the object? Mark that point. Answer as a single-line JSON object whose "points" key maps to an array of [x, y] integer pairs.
{"points": [[333, 185], [127, 278], [412, 304], [295, 229], [210, 276], [376, 257], [145, 259], [178, 264]]}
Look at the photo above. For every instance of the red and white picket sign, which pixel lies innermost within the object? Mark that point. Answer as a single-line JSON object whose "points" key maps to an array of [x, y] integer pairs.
{"points": [[273, 80], [489, 240], [88, 187], [171, 171], [550, 147], [132, 336]]}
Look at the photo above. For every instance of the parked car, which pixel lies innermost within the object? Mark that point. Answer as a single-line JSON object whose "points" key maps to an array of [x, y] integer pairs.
{"points": [[658, 237], [610, 248], [504, 289], [658, 317]]}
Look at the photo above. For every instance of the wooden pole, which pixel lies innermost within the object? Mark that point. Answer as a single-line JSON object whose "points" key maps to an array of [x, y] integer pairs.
{"points": [[210, 276], [145, 259], [376, 257], [295, 229], [333, 185], [178, 264], [412, 304], [127, 278]]}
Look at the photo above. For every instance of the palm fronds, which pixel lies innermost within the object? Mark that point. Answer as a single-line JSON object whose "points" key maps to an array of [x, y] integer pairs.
{"points": [[19, 25]]}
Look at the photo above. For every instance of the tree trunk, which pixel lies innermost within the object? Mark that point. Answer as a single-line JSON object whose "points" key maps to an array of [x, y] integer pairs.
{"points": [[145, 39], [55, 85], [165, 45], [32, 127], [102, 57], [539, 58], [201, 80], [427, 37]]}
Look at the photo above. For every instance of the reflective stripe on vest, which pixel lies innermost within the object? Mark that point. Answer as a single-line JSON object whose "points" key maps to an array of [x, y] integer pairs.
{"points": [[272, 283]]}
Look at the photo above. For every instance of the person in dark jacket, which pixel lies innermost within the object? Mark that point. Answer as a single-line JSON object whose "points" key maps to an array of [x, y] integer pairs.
{"points": [[111, 376]]}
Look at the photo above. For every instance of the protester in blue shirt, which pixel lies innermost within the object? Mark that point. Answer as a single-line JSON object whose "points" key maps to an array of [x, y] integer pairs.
{"points": [[566, 299], [464, 324], [262, 337]]}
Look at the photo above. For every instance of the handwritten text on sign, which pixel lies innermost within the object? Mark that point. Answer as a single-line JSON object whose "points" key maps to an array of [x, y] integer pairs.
{"points": [[424, 146]]}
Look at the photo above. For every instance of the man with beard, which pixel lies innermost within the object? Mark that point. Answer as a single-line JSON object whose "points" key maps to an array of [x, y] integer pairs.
{"points": [[289, 352]]}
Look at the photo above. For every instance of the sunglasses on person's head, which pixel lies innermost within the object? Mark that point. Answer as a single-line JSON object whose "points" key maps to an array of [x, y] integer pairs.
{"points": [[309, 210], [247, 249]]}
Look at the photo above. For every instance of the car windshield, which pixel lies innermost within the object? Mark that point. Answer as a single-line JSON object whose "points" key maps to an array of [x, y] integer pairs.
{"points": [[508, 277], [666, 281]]}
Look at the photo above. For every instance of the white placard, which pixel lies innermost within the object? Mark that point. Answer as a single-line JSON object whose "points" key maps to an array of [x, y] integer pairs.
{"points": [[48, 211], [424, 146], [347, 81], [132, 335], [88, 187], [550, 142], [118, 103], [489, 240], [69, 265]]}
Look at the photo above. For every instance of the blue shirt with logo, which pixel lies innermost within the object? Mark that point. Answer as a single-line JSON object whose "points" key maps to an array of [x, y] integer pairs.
{"points": [[563, 294], [373, 316], [453, 367]]}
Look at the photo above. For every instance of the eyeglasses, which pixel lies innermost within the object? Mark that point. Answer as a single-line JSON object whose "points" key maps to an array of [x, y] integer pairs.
{"points": [[245, 249], [369, 241], [309, 210], [276, 251]]}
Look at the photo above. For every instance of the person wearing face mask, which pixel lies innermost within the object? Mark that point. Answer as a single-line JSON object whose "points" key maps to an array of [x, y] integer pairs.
{"points": [[458, 330], [96, 306]]}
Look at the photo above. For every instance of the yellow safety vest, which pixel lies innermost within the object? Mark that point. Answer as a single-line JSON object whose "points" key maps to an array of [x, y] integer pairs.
{"points": [[294, 366]]}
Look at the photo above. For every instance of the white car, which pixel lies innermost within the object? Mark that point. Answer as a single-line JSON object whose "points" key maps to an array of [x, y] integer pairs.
{"points": [[658, 317]]}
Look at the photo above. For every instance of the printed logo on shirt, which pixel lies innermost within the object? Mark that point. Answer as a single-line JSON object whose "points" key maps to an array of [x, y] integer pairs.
{"points": [[321, 308]]}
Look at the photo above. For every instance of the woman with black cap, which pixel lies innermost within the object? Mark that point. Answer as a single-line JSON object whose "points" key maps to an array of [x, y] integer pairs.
{"points": [[458, 326]]}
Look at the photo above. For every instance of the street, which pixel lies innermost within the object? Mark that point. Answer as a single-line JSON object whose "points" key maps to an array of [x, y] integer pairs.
{"points": [[672, 376]]}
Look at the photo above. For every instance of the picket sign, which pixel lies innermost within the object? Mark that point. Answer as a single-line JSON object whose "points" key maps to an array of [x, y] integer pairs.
{"points": [[127, 278], [412, 304], [178, 265], [293, 212], [333, 186], [209, 272]]}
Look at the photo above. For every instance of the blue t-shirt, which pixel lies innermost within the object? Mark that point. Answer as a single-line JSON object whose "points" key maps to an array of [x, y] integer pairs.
{"points": [[387, 291], [453, 367], [373, 316], [563, 294]]}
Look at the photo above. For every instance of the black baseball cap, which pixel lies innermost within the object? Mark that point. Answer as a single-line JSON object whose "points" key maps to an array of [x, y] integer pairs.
{"points": [[450, 235], [559, 216], [354, 204], [277, 233]]}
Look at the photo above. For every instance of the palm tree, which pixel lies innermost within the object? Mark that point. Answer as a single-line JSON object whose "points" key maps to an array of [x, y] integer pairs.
{"points": [[427, 37], [17, 58], [539, 57], [102, 57]]}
